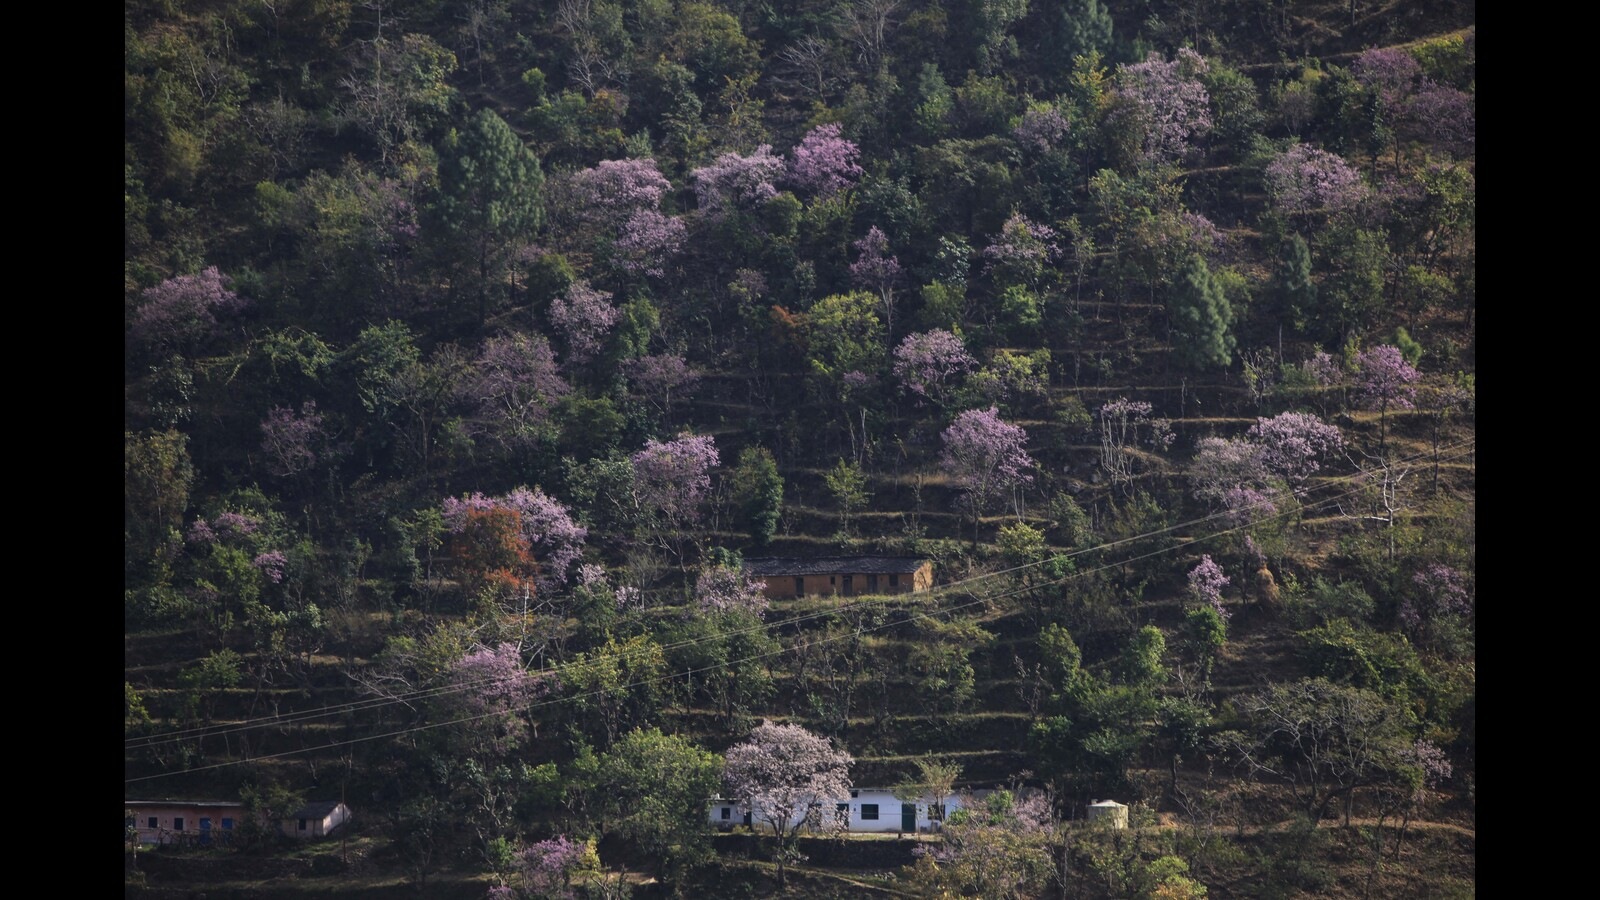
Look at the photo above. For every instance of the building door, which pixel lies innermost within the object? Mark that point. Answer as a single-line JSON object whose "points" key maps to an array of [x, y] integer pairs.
{"points": [[205, 832], [908, 817]]}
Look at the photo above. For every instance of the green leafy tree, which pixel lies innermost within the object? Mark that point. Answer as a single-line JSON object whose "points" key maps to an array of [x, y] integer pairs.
{"points": [[848, 485], [651, 788], [490, 194], [758, 493], [1201, 318]]}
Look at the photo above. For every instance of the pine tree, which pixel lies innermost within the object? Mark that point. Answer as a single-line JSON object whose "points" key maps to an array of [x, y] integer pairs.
{"points": [[1201, 317]]}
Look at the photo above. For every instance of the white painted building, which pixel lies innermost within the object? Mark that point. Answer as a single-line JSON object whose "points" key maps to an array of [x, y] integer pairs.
{"points": [[866, 810]]}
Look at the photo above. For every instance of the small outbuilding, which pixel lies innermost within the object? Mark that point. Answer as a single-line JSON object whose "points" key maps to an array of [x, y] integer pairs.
{"points": [[316, 819], [1114, 813], [846, 576]]}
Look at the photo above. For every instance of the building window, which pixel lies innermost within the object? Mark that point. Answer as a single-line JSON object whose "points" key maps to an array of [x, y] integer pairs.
{"points": [[177, 823], [869, 812], [854, 794], [935, 812], [833, 579], [227, 824], [842, 807], [154, 823], [848, 589], [872, 583], [302, 825], [894, 580], [727, 813], [799, 586]]}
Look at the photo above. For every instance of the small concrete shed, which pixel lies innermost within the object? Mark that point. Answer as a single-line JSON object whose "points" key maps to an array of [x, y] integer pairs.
{"points": [[1114, 813]]}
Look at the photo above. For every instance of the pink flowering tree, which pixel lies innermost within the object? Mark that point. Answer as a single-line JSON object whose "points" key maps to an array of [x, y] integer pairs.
{"points": [[1041, 128], [727, 589], [511, 388], [1293, 444], [546, 524], [183, 311], [733, 182], [488, 690], [1231, 474], [1389, 72], [1304, 180], [1447, 116], [780, 773], [292, 442], [1124, 424], [825, 163], [1021, 251], [584, 316], [647, 240], [929, 363], [1163, 105], [878, 271], [655, 378], [549, 868], [985, 457], [671, 482], [1385, 381], [1206, 582], [616, 189], [1439, 592]]}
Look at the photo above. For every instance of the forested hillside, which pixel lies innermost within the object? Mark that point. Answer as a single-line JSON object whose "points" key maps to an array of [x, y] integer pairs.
{"points": [[473, 345]]}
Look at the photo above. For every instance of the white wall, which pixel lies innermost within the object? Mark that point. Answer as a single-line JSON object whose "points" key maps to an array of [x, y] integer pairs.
{"points": [[888, 818]]}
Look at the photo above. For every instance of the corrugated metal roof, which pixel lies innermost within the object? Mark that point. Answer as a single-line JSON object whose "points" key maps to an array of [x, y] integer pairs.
{"points": [[834, 565]]}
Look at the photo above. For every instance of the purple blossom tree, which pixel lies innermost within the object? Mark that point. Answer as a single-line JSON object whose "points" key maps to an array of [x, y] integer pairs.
{"points": [[1233, 475], [780, 773], [1041, 128], [488, 690], [584, 316], [1304, 180], [825, 163], [1389, 72], [1292, 444], [928, 364], [655, 378], [1446, 115], [986, 457], [616, 189], [1125, 423], [1170, 105], [1206, 582], [671, 480], [734, 182], [547, 867], [1385, 381], [647, 240], [271, 564], [1020, 252], [724, 589], [183, 311], [546, 524], [876, 270], [511, 388], [1440, 591], [291, 441]]}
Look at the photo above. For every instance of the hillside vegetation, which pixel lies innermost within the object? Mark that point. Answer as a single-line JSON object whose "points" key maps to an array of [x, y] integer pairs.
{"points": [[472, 346]]}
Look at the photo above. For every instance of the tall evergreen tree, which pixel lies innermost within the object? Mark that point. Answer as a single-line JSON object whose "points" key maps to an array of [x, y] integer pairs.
{"points": [[490, 194], [1201, 317]]}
